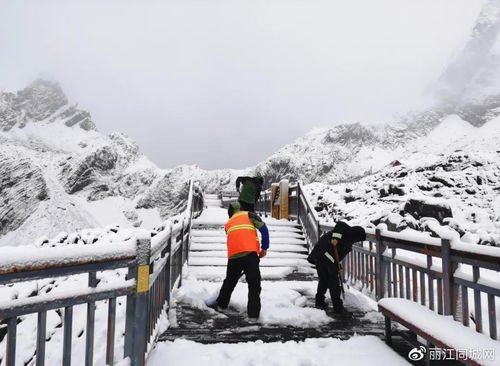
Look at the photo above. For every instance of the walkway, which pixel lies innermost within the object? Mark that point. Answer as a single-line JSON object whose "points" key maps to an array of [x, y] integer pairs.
{"points": [[288, 288]]}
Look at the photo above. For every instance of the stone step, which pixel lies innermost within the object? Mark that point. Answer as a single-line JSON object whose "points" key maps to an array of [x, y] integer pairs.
{"points": [[196, 233], [201, 326], [264, 262], [272, 239], [285, 223], [218, 226], [223, 254], [218, 273], [273, 247]]}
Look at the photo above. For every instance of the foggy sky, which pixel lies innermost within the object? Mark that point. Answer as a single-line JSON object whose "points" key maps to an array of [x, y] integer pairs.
{"points": [[225, 83]]}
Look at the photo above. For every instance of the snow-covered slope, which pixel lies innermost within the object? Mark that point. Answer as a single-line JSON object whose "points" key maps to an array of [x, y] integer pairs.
{"points": [[350, 151], [66, 176], [449, 178], [59, 174]]}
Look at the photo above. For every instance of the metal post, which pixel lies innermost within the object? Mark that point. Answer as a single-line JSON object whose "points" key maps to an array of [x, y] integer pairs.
{"points": [[40, 339], [89, 339], [170, 263], [11, 341], [298, 202], [130, 313], [448, 279], [141, 306], [478, 311], [68, 330], [110, 339], [388, 331], [318, 231], [181, 264], [380, 267], [430, 282]]}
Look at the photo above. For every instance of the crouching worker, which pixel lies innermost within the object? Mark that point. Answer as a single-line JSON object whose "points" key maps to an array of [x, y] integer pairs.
{"points": [[326, 255], [244, 252], [249, 189]]}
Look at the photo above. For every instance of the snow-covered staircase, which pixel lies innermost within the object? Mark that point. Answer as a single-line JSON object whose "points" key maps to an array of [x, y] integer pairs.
{"points": [[288, 289], [208, 251]]}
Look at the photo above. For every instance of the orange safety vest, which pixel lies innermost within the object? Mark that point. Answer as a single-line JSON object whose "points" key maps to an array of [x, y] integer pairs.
{"points": [[241, 234]]}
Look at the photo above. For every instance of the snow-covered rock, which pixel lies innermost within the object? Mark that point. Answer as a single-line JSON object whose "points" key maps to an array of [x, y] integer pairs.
{"points": [[41, 101], [22, 187], [60, 174], [458, 191]]}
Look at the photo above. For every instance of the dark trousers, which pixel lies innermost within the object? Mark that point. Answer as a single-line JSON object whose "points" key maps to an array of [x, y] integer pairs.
{"points": [[328, 280], [245, 206], [249, 265]]}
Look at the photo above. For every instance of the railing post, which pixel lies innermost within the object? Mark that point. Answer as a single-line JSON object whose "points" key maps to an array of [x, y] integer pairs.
{"points": [[449, 290], [89, 341], [130, 313], [10, 358], [169, 265], [380, 267], [318, 231], [298, 202], [140, 316], [182, 254]]}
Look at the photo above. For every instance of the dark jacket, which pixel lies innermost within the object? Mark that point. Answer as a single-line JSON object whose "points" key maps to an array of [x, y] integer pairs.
{"points": [[323, 252], [250, 190]]}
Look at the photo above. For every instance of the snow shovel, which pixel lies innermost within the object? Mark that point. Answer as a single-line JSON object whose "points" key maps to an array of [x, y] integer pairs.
{"points": [[341, 277]]}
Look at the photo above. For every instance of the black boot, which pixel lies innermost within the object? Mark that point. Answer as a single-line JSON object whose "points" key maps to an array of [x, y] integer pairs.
{"points": [[338, 306], [320, 303], [339, 309]]}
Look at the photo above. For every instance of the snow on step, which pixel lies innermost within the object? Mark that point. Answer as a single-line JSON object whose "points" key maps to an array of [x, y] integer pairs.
{"points": [[212, 201], [208, 251], [221, 234], [276, 222], [218, 273], [218, 224], [273, 247], [217, 229], [223, 254], [264, 262], [292, 241]]}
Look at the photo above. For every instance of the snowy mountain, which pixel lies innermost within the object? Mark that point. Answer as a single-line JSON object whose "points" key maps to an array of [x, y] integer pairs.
{"points": [[60, 174], [446, 183], [350, 151], [473, 76], [434, 170]]}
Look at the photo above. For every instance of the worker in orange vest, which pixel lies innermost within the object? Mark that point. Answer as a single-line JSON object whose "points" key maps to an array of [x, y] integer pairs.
{"points": [[244, 251]]}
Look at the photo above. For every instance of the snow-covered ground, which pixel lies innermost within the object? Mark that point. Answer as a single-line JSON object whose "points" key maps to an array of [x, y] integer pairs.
{"points": [[283, 302], [356, 351]]}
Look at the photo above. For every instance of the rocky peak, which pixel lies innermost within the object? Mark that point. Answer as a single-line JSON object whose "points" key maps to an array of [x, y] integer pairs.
{"points": [[347, 134], [42, 100]]}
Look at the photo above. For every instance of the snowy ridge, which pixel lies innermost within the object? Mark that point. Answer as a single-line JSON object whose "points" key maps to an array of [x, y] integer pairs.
{"points": [[75, 178], [455, 193], [41, 101], [62, 176]]}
